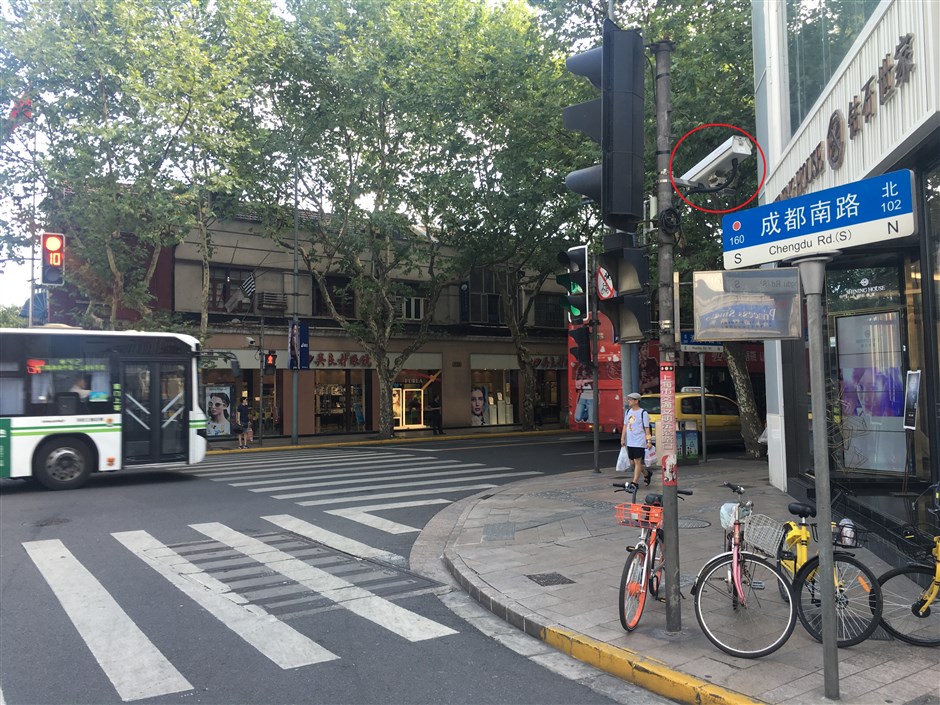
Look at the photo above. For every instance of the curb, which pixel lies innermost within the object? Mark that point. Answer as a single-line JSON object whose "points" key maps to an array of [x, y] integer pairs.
{"points": [[627, 665]]}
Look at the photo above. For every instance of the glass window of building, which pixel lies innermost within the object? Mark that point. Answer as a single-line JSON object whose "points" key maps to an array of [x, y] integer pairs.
{"points": [[549, 311], [225, 290], [820, 35], [341, 294]]}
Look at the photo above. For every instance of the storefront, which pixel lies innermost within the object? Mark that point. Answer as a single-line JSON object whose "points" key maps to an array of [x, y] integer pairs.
{"points": [[872, 107]]}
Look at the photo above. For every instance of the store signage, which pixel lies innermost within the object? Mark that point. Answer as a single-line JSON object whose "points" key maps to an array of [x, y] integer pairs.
{"points": [[548, 362], [860, 213], [747, 305], [327, 360]]}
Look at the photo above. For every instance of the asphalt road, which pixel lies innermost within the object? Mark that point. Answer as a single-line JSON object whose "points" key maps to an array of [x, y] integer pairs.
{"points": [[264, 577]]}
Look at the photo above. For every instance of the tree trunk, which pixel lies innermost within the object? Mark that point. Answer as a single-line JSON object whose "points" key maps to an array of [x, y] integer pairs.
{"points": [[751, 424]]}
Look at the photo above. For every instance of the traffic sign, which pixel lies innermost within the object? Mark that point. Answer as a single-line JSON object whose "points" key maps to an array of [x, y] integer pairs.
{"points": [[860, 213], [605, 285]]}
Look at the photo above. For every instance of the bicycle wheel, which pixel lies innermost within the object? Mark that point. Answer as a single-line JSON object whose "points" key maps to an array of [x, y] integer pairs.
{"points": [[754, 623], [857, 594], [905, 616], [633, 588]]}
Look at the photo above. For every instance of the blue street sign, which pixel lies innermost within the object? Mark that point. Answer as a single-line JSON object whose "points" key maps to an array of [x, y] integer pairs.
{"points": [[860, 213], [688, 343]]}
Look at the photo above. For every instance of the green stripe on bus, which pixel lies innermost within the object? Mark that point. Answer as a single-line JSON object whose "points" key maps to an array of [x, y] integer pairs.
{"points": [[48, 431]]}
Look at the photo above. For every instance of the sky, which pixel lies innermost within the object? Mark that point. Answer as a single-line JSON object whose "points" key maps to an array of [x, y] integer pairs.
{"points": [[14, 284]]}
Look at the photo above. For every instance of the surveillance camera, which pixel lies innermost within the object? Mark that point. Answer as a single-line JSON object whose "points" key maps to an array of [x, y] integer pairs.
{"points": [[250, 341], [716, 165]]}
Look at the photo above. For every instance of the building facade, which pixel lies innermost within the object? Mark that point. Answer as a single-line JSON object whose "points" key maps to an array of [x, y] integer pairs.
{"points": [[468, 368], [847, 91]]}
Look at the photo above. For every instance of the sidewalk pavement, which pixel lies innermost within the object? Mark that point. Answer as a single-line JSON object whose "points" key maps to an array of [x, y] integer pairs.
{"points": [[546, 555]]}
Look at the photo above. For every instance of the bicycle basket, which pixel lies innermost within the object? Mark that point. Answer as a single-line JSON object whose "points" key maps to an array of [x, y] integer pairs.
{"points": [[763, 534], [914, 542], [644, 516], [845, 535]]}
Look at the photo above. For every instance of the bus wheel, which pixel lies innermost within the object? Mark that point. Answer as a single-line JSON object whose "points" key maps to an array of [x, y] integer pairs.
{"points": [[62, 464]]}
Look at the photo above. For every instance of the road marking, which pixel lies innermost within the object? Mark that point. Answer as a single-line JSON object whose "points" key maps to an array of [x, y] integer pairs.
{"points": [[331, 464], [357, 600], [363, 478], [363, 516], [341, 490], [394, 495], [335, 541], [415, 466], [277, 641], [128, 658]]}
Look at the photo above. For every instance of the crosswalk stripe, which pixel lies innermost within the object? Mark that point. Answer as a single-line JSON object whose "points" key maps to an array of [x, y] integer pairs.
{"points": [[277, 641], [357, 600], [363, 515], [341, 490], [266, 466], [394, 495], [298, 475], [336, 541], [128, 658], [366, 477]]}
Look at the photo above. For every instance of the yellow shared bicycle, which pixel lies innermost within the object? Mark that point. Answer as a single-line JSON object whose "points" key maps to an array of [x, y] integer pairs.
{"points": [[858, 596]]}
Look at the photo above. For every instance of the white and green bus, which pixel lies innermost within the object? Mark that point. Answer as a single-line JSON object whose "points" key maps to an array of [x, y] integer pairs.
{"points": [[74, 402]]}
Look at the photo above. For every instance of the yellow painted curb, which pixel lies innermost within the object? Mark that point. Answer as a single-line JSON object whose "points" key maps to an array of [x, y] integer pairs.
{"points": [[647, 673]]}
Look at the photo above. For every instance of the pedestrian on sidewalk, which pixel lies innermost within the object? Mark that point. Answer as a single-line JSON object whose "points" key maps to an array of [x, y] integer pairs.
{"points": [[243, 419], [435, 413], [636, 437]]}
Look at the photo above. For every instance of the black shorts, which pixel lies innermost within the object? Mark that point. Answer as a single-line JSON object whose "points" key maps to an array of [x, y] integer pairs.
{"points": [[634, 453]]}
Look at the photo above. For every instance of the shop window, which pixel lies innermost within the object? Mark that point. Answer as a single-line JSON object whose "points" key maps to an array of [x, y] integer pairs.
{"points": [[341, 294]]}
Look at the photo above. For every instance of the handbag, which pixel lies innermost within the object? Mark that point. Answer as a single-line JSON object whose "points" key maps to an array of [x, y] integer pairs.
{"points": [[623, 461], [649, 460], [236, 428]]}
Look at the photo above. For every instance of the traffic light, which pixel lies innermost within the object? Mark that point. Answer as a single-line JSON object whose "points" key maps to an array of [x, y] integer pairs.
{"points": [[582, 348], [53, 259], [627, 303], [270, 362], [575, 282], [615, 121]]}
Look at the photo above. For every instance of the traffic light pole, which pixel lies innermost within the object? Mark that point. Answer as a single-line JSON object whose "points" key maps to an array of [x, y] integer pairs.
{"points": [[667, 340], [594, 315], [261, 385]]}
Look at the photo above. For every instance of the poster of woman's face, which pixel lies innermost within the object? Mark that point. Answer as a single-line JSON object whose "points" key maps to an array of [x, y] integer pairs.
{"points": [[218, 409], [479, 408]]}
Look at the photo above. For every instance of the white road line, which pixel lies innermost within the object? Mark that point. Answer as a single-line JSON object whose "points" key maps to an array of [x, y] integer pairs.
{"points": [[393, 495], [363, 478], [363, 516], [335, 541], [319, 493], [277, 641], [346, 472], [128, 658], [268, 467], [357, 600]]}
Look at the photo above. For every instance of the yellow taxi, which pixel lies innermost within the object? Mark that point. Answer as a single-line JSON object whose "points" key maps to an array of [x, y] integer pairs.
{"points": [[722, 418]]}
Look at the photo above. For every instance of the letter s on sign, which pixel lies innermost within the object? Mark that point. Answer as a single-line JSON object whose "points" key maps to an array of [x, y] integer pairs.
{"points": [[737, 258]]}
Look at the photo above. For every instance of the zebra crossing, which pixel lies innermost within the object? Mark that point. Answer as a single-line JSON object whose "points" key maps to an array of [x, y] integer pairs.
{"points": [[257, 585], [374, 480]]}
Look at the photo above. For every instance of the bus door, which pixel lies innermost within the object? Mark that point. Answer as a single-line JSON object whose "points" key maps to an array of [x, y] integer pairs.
{"points": [[154, 412]]}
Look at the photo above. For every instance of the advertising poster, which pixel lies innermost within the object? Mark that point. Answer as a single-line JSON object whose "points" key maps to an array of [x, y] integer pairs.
{"points": [[912, 391], [218, 410]]}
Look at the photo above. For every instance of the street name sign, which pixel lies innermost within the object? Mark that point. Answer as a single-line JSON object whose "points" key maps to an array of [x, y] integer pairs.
{"points": [[690, 344], [861, 213]]}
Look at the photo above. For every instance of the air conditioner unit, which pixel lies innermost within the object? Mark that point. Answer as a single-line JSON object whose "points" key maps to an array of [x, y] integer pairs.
{"points": [[271, 301]]}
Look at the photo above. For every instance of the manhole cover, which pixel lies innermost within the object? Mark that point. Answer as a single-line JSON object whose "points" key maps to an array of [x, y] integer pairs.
{"points": [[685, 523], [546, 579]]}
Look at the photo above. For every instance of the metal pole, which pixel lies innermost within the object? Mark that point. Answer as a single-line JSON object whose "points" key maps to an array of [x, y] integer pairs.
{"points": [[295, 327], [261, 385], [590, 281], [812, 277], [703, 454], [667, 341]]}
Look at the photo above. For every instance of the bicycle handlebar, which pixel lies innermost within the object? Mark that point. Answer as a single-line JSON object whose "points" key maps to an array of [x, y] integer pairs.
{"points": [[622, 485], [737, 489]]}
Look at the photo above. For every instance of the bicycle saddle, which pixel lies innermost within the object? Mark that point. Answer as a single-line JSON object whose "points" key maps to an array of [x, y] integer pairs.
{"points": [[801, 510], [655, 500]]}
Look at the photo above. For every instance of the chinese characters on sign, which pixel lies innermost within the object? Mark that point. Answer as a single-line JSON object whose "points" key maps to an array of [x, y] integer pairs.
{"points": [[859, 213]]}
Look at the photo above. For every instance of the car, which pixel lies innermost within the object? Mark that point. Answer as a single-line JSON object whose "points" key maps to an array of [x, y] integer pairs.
{"points": [[722, 418]]}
